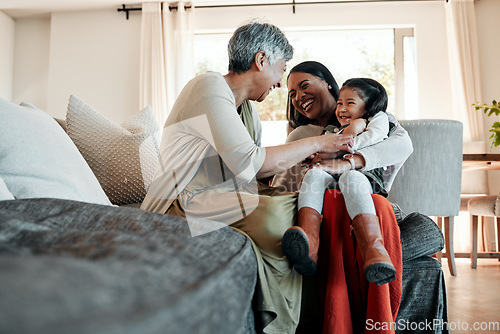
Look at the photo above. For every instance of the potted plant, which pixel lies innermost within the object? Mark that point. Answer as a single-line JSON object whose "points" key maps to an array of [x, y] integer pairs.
{"points": [[490, 109]]}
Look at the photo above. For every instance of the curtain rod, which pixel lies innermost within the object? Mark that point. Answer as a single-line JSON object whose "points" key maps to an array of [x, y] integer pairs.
{"points": [[126, 9]]}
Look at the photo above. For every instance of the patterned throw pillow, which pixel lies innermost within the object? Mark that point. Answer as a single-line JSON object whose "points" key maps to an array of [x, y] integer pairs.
{"points": [[124, 158]]}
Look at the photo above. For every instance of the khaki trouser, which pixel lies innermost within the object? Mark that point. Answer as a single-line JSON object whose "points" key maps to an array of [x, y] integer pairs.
{"points": [[279, 287]]}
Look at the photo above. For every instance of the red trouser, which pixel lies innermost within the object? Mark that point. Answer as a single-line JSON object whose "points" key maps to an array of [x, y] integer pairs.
{"points": [[351, 304]]}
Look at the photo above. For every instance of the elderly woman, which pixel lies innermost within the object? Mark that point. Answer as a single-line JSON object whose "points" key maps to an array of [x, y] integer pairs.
{"points": [[210, 158]]}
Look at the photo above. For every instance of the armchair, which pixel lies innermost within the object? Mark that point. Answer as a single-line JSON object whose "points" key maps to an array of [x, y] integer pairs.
{"points": [[430, 180]]}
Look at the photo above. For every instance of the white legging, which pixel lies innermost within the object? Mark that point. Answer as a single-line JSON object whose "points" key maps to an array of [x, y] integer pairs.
{"points": [[355, 188]]}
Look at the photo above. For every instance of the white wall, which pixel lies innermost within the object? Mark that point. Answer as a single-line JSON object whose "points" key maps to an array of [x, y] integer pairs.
{"points": [[7, 26], [31, 67], [92, 54], [95, 55], [489, 50]]}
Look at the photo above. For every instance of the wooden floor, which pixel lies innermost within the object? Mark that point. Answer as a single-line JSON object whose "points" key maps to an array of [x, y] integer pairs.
{"points": [[473, 296]]}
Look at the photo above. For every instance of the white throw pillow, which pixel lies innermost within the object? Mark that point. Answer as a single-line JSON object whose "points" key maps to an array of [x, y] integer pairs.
{"points": [[5, 194], [38, 159], [124, 157]]}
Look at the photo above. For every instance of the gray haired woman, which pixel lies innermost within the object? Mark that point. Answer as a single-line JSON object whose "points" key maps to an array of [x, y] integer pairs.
{"points": [[211, 160]]}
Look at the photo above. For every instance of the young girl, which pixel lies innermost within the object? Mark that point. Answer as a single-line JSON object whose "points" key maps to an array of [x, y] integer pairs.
{"points": [[360, 112]]}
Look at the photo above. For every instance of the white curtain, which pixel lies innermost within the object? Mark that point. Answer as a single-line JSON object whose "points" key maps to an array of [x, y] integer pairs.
{"points": [[466, 89], [464, 66], [178, 47], [166, 54]]}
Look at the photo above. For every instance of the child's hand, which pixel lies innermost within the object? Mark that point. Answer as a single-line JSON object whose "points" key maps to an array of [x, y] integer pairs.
{"points": [[332, 166], [308, 161], [356, 126], [325, 156]]}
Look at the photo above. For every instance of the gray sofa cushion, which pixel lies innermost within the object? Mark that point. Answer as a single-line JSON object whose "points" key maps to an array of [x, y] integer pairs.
{"points": [[73, 267], [420, 236]]}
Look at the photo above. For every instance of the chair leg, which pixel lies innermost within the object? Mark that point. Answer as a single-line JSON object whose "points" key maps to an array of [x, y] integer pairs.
{"points": [[498, 234], [481, 229], [439, 221], [473, 241], [450, 254]]}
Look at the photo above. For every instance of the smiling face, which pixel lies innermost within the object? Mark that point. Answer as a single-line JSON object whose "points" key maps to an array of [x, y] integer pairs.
{"points": [[350, 106], [270, 78], [310, 97]]}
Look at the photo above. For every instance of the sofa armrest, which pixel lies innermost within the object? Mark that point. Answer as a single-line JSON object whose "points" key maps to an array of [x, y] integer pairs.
{"points": [[76, 267], [420, 236]]}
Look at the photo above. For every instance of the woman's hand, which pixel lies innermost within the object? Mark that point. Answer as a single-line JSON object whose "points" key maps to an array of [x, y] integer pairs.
{"points": [[333, 166], [326, 156], [281, 157], [335, 146], [333, 143], [339, 166]]}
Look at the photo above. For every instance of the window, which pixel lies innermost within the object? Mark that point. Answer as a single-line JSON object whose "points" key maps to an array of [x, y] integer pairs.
{"points": [[386, 55], [405, 73]]}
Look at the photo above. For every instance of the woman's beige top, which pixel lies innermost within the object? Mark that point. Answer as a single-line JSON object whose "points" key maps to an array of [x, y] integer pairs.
{"points": [[206, 153]]}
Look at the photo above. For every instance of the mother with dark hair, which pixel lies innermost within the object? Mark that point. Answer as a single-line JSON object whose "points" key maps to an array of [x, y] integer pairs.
{"points": [[312, 100], [347, 299]]}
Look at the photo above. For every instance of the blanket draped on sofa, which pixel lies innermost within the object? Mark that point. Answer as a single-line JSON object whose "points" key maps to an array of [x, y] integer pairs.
{"points": [[351, 303], [73, 267]]}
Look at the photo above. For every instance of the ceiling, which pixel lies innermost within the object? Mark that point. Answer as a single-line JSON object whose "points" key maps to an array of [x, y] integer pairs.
{"points": [[25, 8]]}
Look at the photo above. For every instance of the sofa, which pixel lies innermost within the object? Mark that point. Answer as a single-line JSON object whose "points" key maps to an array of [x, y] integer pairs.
{"points": [[77, 254]]}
